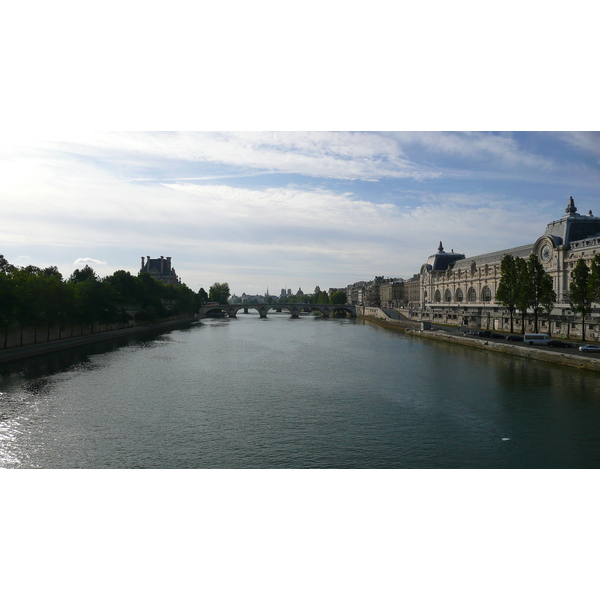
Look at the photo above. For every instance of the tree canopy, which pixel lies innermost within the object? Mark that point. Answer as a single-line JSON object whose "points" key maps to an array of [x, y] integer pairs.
{"points": [[524, 284], [31, 296], [219, 293], [581, 291]]}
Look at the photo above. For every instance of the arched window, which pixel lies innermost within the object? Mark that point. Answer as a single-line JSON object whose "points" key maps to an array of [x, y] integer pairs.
{"points": [[448, 296], [459, 295], [472, 295], [486, 294], [438, 296]]}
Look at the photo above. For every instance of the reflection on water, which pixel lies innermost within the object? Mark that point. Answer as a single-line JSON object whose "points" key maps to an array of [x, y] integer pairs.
{"points": [[294, 393]]}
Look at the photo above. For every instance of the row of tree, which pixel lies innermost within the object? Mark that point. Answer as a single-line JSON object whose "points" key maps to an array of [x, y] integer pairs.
{"points": [[525, 285], [584, 288], [35, 297]]}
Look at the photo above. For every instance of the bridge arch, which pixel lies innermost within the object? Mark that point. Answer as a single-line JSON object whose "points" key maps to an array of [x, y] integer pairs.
{"points": [[231, 310]]}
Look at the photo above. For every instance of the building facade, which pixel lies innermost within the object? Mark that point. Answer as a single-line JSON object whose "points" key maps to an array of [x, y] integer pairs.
{"points": [[460, 290]]}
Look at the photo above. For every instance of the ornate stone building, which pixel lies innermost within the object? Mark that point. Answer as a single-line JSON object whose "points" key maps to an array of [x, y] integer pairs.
{"points": [[461, 290], [160, 269]]}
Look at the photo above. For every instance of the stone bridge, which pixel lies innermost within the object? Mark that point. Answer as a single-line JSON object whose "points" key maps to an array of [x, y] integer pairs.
{"points": [[231, 310]]}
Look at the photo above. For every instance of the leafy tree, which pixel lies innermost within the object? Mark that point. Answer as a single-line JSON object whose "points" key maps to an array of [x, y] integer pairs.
{"points": [[508, 288], [595, 278], [202, 296], [540, 287], [338, 297], [85, 274], [581, 291], [219, 293], [523, 301], [126, 286], [8, 301], [322, 298], [5, 266], [548, 302]]}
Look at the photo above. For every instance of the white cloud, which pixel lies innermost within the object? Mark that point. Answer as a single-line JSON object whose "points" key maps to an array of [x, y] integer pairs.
{"points": [[588, 141], [338, 155], [503, 149], [88, 261]]}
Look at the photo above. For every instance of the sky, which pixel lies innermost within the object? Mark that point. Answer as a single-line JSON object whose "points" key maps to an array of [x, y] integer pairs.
{"points": [[271, 210]]}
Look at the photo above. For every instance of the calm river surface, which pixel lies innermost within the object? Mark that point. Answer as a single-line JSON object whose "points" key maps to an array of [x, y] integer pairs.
{"points": [[294, 393]]}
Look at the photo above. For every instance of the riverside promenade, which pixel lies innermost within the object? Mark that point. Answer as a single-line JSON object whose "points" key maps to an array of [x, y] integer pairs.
{"points": [[19, 352], [570, 357]]}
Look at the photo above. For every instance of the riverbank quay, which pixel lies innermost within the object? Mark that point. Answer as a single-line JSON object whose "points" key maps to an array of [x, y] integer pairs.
{"points": [[30, 350], [574, 359]]}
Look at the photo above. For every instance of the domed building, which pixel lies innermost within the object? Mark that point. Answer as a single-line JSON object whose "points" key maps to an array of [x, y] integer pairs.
{"points": [[461, 290]]}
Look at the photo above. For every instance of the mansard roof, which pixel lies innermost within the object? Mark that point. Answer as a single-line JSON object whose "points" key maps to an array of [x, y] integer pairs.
{"points": [[494, 257], [441, 260], [573, 226]]}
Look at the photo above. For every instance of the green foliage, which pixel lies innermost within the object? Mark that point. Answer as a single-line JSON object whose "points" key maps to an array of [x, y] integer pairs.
{"points": [[540, 288], [508, 288], [85, 274], [595, 278], [5, 266], [524, 284], [322, 298], [31, 296], [581, 290], [338, 298], [202, 296], [219, 292]]}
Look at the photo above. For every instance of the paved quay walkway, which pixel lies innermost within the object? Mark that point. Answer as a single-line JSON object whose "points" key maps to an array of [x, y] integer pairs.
{"points": [[20, 352]]}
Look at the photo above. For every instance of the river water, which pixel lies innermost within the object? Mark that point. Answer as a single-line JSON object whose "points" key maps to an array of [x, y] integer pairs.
{"points": [[294, 393]]}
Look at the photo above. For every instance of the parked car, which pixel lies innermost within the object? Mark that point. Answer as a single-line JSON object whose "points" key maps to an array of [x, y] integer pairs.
{"points": [[559, 344], [589, 348], [514, 338], [536, 338]]}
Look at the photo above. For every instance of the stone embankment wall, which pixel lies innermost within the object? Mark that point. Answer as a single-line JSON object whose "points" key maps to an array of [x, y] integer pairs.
{"points": [[42, 347], [534, 352], [17, 336]]}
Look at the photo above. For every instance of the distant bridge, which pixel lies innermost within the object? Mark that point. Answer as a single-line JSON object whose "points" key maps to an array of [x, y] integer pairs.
{"points": [[231, 310]]}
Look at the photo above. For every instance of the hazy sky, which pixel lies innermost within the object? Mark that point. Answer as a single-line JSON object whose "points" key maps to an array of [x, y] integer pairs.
{"points": [[284, 209]]}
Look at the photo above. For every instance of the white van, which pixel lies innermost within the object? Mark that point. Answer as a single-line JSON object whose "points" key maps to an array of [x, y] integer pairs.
{"points": [[536, 338]]}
